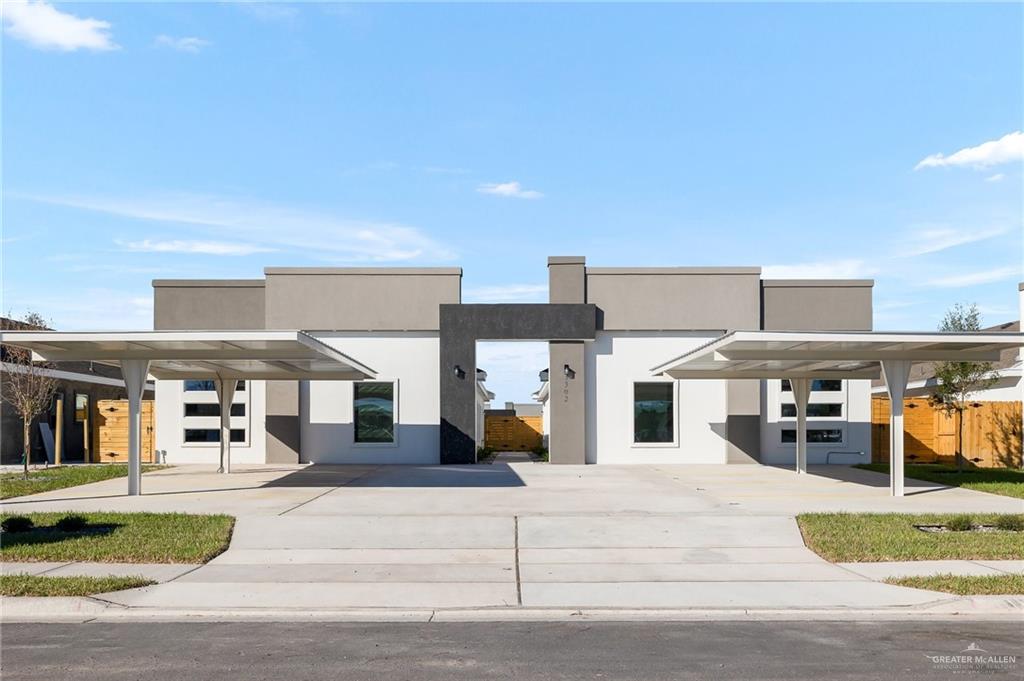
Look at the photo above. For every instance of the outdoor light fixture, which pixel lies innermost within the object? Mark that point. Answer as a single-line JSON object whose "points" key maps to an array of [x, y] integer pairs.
{"points": [[567, 371], [459, 372]]}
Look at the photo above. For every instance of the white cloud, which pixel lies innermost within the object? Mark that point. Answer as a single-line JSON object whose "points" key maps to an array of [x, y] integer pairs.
{"points": [[995, 178], [935, 239], [1006, 149], [508, 189], [45, 27], [91, 309], [511, 293], [828, 269], [189, 44], [200, 247], [317, 235], [975, 278]]}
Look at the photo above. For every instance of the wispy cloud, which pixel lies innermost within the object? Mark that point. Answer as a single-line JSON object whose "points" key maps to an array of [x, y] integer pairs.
{"points": [[199, 247], [80, 312], [511, 293], [43, 26], [935, 239], [444, 170], [995, 178], [315, 234], [975, 278], [189, 44], [1006, 149], [508, 189], [826, 269]]}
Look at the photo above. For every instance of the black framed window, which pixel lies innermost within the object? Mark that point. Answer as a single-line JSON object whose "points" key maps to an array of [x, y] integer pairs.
{"points": [[818, 385], [653, 409], [373, 407], [206, 385], [816, 409], [814, 435], [212, 409], [212, 435]]}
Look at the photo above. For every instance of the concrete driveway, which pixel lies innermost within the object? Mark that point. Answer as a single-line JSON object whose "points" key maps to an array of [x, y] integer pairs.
{"points": [[520, 534]]}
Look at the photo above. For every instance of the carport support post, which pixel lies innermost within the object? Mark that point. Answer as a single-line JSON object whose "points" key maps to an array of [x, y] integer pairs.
{"points": [[801, 396], [896, 373], [225, 395], [134, 373]]}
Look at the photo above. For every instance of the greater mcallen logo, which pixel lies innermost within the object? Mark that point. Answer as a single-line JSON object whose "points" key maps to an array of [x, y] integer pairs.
{"points": [[973, 658]]}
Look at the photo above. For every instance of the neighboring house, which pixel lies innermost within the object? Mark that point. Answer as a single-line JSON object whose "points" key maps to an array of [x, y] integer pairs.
{"points": [[542, 395], [80, 385], [483, 403], [1009, 385], [606, 328]]}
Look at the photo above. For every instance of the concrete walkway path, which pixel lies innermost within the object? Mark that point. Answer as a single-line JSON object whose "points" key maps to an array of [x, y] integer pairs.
{"points": [[518, 537], [157, 572]]}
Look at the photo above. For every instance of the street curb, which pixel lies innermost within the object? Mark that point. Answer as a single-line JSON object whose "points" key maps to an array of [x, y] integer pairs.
{"points": [[23, 609]]}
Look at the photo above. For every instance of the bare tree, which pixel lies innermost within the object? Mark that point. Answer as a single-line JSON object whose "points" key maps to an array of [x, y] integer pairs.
{"points": [[957, 380], [25, 385]]}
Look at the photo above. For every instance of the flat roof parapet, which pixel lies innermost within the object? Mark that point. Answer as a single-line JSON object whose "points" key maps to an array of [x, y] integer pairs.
{"points": [[674, 270], [363, 271], [817, 283], [207, 283]]}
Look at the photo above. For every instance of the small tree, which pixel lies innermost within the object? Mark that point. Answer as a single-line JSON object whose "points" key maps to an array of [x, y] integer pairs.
{"points": [[26, 385], [957, 380]]}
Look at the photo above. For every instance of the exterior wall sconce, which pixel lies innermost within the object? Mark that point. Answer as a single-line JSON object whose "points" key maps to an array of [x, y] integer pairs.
{"points": [[568, 372], [459, 373]]}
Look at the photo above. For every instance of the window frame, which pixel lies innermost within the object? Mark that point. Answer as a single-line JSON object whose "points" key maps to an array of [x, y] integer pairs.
{"points": [[243, 423], [841, 441], [395, 419], [675, 415]]}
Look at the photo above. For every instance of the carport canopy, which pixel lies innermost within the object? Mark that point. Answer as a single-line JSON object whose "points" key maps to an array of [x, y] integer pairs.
{"points": [[225, 357], [802, 356]]}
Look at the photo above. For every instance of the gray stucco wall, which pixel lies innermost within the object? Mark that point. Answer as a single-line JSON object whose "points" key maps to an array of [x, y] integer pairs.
{"points": [[674, 298], [817, 305], [360, 299], [567, 441], [567, 279], [200, 304]]}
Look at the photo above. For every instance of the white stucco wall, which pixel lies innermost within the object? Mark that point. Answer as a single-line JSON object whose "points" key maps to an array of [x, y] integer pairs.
{"points": [[325, 407], [615, 360], [855, 423], [171, 423]]}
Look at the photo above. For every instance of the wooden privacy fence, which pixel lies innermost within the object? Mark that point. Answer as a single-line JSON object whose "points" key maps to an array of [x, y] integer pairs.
{"points": [[110, 436], [991, 438], [512, 433]]}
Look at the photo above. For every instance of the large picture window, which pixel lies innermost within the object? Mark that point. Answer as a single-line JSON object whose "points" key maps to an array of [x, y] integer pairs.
{"points": [[373, 409], [653, 407]]}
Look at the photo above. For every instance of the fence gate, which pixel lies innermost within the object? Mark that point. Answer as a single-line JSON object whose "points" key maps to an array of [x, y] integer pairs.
{"points": [[110, 436], [512, 433]]}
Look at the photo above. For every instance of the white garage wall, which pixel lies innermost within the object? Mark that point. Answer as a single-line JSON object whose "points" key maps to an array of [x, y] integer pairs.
{"points": [[325, 407], [615, 360], [170, 425], [855, 424]]}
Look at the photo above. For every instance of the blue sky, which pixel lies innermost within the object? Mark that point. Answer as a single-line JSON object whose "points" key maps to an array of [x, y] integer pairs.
{"points": [[157, 140]]}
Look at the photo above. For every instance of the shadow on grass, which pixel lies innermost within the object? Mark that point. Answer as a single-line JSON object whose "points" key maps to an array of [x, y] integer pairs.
{"points": [[51, 535]]}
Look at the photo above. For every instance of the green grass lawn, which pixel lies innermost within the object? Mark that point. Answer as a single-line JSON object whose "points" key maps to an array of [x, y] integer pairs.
{"points": [[873, 537], [1008, 482], [38, 585], [121, 538], [59, 477], [987, 585]]}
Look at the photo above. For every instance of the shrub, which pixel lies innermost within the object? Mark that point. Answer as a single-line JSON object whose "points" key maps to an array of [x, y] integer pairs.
{"points": [[1010, 523], [17, 523], [960, 523], [71, 523]]}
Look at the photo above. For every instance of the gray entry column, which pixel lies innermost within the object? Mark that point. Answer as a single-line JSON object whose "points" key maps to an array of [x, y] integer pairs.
{"points": [[567, 392], [463, 325]]}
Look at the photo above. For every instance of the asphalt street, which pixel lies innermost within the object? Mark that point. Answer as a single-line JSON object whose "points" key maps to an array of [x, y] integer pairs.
{"points": [[575, 650]]}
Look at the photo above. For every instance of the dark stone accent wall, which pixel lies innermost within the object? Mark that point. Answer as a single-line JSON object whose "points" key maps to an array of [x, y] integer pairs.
{"points": [[462, 326]]}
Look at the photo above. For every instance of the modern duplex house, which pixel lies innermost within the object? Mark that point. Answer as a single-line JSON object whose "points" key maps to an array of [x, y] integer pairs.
{"points": [[606, 328]]}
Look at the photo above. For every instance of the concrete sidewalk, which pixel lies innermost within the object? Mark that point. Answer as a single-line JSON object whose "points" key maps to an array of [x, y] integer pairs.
{"points": [[157, 572]]}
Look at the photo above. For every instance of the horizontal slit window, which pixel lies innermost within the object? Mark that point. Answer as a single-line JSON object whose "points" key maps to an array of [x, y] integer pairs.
{"points": [[815, 409], [822, 385], [212, 435], [814, 435], [206, 385], [211, 409]]}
